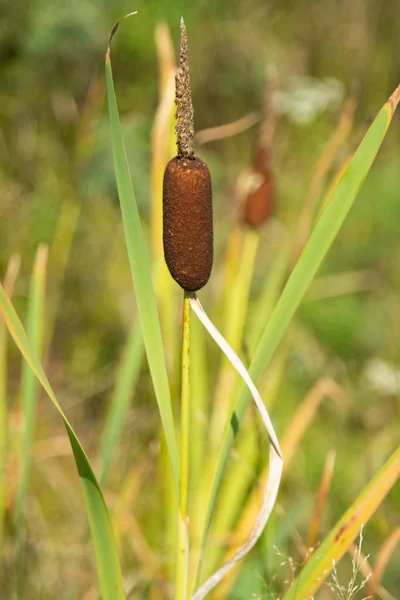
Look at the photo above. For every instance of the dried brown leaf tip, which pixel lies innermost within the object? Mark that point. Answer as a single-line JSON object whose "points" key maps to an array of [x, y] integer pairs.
{"points": [[187, 195], [394, 99], [114, 30]]}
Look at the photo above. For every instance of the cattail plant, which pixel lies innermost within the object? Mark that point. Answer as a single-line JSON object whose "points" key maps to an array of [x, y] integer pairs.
{"points": [[187, 195], [188, 231], [188, 250]]}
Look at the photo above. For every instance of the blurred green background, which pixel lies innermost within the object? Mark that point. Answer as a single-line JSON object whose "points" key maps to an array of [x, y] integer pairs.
{"points": [[56, 162]]}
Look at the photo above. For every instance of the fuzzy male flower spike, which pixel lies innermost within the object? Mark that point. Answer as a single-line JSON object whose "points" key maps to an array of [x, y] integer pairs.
{"points": [[187, 194]]}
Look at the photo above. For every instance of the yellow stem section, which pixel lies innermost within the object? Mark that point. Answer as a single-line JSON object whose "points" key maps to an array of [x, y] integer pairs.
{"points": [[236, 311], [182, 559]]}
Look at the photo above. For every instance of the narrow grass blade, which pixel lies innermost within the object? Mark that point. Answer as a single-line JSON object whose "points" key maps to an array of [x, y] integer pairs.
{"points": [[29, 386], [60, 251], [127, 495], [290, 442], [339, 540], [382, 560], [221, 132], [126, 528], [269, 295], [140, 269], [237, 303], [236, 311], [321, 499], [128, 374], [165, 54], [9, 281], [199, 405], [232, 257], [238, 479], [275, 461], [198, 448], [310, 260], [337, 284], [321, 171], [108, 567], [160, 155], [162, 150], [305, 413]]}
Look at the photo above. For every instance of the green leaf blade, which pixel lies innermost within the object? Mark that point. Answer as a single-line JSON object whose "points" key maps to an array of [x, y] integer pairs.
{"points": [[141, 275], [128, 375], [9, 282], [107, 561], [29, 386], [308, 264], [345, 531]]}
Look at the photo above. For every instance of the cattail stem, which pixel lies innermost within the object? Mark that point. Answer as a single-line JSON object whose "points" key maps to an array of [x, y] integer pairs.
{"points": [[182, 559]]}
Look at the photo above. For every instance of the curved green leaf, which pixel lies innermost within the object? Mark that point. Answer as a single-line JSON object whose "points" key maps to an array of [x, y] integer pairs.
{"points": [[107, 562], [308, 264]]}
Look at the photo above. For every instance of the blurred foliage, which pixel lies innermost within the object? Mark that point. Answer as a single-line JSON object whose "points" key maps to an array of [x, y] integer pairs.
{"points": [[55, 156]]}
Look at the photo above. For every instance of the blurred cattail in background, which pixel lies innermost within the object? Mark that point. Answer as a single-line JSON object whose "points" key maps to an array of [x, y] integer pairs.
{"points": [[259, 203]]}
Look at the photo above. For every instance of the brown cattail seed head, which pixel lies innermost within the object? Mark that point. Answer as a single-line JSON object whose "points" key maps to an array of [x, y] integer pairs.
{"points": [[187, 222], [187, 197]]}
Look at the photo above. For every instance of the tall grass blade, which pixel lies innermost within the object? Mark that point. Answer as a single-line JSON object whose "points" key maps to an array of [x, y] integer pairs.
{"points": [[236, 310], [310, 260], [320, 502], [127, 377], [140, 269], [29, 386], [385, 554], [304, 415], [321, 170], [9, 281], [60, 251], [346, 530], [238, 479], [107, 562], [198, 448], [269, 295]]}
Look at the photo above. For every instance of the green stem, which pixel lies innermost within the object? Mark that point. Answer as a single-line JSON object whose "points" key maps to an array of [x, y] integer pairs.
{"points": [[182, 559]]}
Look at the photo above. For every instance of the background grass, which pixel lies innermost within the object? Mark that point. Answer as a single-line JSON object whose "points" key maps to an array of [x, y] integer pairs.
{"points": [[57, 187]]}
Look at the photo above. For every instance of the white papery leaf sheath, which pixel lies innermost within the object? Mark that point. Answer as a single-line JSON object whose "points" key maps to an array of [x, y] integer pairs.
{"points": [[275, 460]]}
